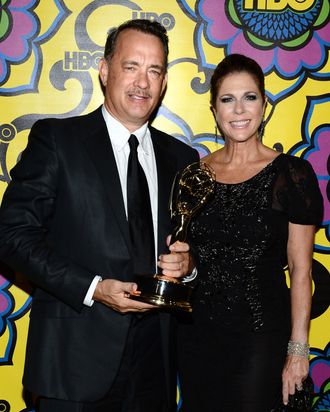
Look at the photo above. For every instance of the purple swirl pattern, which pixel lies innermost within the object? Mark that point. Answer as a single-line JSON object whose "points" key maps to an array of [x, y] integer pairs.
{"points": [[232, 29], [20, 38]]}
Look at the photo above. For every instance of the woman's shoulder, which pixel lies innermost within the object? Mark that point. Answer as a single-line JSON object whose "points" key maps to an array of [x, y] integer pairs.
{"points": [[213, 156], [298, 191], [293, 164], [292, 160]]}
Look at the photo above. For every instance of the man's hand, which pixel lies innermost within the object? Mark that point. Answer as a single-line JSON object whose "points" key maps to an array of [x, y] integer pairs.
{"points": [[179, 262], [115, 294]]}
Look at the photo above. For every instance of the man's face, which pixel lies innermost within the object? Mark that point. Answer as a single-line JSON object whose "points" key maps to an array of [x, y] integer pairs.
{"points": [[135, 78]]}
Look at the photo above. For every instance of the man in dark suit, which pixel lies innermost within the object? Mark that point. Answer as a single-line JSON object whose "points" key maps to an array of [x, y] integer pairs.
{"points": [[63, 224]]}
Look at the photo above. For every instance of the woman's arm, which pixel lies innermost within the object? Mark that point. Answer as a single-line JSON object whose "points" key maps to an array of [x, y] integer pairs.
{"points": [[299, 250]]}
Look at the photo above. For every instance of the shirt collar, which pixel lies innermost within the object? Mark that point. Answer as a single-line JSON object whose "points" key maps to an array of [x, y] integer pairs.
{"points": [[119, 135]]}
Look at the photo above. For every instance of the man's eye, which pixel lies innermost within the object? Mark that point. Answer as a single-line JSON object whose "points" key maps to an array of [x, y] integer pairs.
{"points": [[155, 73]]}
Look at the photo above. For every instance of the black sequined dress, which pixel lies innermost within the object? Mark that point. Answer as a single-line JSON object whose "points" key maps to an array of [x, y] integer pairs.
{"points": [[232, 347]]}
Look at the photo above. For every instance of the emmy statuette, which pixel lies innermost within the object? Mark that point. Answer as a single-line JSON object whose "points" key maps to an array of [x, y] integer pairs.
{"points": [[193, 188]]}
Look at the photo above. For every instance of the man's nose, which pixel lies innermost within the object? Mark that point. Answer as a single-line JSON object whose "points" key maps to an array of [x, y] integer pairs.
{"points": [[142, 79]]}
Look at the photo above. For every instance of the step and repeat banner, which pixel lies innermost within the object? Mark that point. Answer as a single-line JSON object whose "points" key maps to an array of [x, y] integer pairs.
{"points": [[49, 52]]}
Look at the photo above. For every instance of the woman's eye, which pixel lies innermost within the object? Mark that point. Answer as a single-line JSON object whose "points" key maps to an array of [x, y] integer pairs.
{"points": [[225, 99], [251, 97]]}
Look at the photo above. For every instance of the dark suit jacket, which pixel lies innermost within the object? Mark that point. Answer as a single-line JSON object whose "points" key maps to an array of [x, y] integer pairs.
{"points": [[62, 221]]}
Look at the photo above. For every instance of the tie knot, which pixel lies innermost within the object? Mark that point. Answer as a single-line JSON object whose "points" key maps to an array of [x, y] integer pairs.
{"points": [[133, 142]]}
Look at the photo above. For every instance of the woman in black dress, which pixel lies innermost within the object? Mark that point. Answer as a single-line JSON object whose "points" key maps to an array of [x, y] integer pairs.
{"points": [[245, 346]]}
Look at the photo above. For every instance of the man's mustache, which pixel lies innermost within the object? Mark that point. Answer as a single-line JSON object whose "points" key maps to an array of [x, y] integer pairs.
{"points": [[139, 92]]}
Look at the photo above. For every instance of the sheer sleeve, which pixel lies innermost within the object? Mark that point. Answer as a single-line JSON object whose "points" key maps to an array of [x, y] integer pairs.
{"points": [[298, 193]]}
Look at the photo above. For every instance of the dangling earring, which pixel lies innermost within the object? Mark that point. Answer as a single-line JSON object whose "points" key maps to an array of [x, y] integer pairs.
{"points": [[261, 130], [216, 133]]}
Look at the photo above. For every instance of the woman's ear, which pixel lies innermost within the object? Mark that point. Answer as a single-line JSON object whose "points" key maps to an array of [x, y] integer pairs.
{"points": [[213, 111], [265, 106]]}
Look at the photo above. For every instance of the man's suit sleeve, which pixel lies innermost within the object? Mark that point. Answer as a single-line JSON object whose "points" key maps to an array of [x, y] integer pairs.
{"points": [[25, 217]]}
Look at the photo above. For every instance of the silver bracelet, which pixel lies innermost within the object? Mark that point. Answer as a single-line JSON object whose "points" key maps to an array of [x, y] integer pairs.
{"points": [[298, 349], [190, 277]]}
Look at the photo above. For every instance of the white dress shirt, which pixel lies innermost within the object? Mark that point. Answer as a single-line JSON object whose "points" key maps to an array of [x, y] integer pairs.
{"points": [[119, 135]]}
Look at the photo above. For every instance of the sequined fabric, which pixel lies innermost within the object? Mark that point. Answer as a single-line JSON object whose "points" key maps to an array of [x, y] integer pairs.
{"points": [[240, 239]]}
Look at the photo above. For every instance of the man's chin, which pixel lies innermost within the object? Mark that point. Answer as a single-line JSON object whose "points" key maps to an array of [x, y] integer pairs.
{"points": [[140, 116]]}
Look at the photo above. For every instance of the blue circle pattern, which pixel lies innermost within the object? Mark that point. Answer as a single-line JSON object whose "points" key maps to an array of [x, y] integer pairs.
{"points": [[278, 27]]}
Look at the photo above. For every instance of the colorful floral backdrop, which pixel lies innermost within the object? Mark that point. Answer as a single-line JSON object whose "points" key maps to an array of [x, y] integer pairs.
{"points": [[49, 50]]}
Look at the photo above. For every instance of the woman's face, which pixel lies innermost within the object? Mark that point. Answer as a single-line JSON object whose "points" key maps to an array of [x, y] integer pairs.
{"points": [[239, 107]]}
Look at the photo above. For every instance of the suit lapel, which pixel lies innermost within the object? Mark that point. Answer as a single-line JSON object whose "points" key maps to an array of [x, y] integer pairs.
{"points": [[99, 148], [166, 169]]}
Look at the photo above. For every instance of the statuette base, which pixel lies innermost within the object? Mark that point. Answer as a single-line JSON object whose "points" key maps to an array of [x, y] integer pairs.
{"points": [[164, 292]]}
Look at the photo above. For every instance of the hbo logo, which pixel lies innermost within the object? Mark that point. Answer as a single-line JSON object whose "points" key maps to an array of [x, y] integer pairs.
{"points": [[81, 60], [166, 19]]}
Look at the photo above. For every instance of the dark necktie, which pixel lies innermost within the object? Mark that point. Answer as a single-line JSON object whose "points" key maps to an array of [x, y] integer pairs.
{"points": [[139, 214]]}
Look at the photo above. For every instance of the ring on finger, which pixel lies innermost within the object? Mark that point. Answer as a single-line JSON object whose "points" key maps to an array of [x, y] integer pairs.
{"points": [[299, 386]]}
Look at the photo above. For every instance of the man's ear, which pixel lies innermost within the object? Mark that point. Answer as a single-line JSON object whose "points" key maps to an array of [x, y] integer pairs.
{"points": [[103, 71], [164, 83]]}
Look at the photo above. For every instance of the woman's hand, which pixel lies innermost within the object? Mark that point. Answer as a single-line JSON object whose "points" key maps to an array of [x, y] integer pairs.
{"points": [[294, 373], [179, 262]]}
